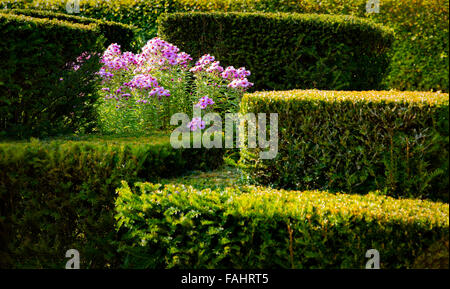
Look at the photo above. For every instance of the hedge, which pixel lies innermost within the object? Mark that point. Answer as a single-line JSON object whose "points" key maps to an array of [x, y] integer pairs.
{"points": [[395, 142], [114, 32], [59, 195], [40, 93], [285, 51], [420, 56], [260, 228]]}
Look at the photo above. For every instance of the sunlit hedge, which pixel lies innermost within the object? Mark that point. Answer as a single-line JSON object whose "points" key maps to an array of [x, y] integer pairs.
{"points": [[57, 195], [256, 228], [420, 56], [396, 142]]}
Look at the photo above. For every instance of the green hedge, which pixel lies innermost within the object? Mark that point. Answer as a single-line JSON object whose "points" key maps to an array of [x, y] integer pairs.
{"points": [[395, 142], [114, 32], [39, 93], [420, 55], [260, 228], [285, 51], [59, 195]]}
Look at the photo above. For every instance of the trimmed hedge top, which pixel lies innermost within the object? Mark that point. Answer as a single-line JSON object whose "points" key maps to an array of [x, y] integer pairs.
{"points": [[356, 142], [176, 226], [324, 21], [286, 51], [59, 194], [114, 32], [6, 17], [430, 98], [420, 56]]}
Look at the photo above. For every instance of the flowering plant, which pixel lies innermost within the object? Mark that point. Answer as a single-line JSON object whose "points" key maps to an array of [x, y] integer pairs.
{"points": [[141, 91]]}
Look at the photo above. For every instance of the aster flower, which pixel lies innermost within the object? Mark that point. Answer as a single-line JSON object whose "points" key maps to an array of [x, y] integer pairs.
{"points": [[204, 101]]}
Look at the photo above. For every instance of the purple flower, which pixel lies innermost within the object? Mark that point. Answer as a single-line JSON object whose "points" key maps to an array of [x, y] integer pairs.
{"points": [[204, 101], [143, 81], [195, 123], [159, 91], [240, 83], [215, 67]]}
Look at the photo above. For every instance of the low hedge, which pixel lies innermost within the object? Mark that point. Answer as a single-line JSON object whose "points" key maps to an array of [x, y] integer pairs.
{"points": [[40, 93], [260, 228], [59, 195], [285, 51], [395, 142], [114, 32]]}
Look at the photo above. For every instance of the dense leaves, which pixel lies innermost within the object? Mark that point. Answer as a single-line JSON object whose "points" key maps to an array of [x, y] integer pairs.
{"points": [[176, 226], [114, 32], [37, 54], [395, 142], [59, 195], [285, 51], [420, 55]]}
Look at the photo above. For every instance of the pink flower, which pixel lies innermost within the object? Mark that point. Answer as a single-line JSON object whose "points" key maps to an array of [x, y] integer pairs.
{"points": [[195, 123], [204, 101], [240, 83]]}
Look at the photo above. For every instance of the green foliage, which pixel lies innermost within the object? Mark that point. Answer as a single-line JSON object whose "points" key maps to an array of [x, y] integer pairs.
{"points": [[260, 228], [114, 32], [285, 51], [40, 92], [420, 55], [395, 142], [57, 195]]}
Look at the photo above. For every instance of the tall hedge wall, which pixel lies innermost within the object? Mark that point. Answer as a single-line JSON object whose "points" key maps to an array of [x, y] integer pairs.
{"points": [[59, 195], [356, 142], [260, 228], [36, 56], [420, 56], [287, 50]]}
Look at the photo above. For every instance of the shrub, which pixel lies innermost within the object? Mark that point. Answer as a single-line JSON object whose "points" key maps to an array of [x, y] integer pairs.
{"points": [[59, 195], [36, 54], [395, 142], [114, 32], [260, 228], [143, 91], [420, 56], [286, 51]]}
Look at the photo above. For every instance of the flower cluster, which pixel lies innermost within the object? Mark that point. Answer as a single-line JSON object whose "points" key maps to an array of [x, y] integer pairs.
{"points": [[231, 73], [154, 82], [203, 62], [215, 67], [236, 77], [204, 102], [142, 81], [159, 53], [196, 123], [159, 91], [240, 82]]}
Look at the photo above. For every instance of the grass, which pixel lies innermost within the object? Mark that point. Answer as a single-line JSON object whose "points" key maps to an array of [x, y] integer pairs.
{"points": [[225, 176]]}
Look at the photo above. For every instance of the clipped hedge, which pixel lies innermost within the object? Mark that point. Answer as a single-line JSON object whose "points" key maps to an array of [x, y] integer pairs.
{"points": [[114, 32], [260, 228], [59, 195], [395, 142], [420, 55], [36, 54], [285, 51]]}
